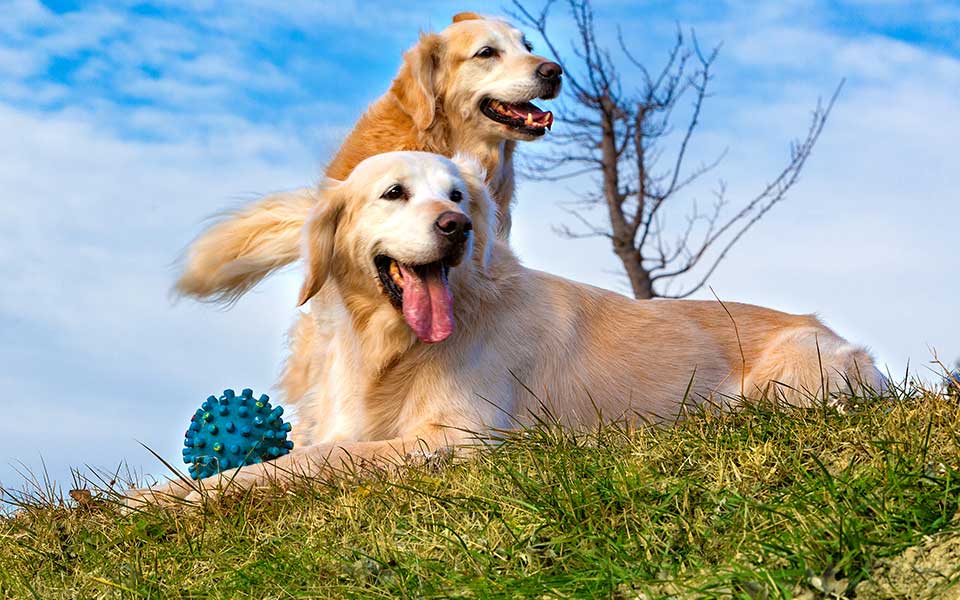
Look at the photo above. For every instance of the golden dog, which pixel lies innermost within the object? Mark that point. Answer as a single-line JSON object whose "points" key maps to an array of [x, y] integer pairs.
{"points": [[466, 89], [447, 334]]}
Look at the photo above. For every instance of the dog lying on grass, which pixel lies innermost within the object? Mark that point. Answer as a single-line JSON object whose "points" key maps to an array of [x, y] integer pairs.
{"points": [[447, 336]]}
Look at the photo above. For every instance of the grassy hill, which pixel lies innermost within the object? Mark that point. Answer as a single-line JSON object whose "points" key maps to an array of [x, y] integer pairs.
{"points": [[757, 504]]}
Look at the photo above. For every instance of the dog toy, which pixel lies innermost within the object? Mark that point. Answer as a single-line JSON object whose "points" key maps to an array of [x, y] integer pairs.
{"points": [[233, 431]]}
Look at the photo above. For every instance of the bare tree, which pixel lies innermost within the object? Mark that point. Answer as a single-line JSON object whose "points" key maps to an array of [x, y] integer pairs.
{"points": [[620, 134]]}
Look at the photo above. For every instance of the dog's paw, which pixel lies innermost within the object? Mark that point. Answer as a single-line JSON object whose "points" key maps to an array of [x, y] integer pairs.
{"points": [[160, 495], [137, 499]]}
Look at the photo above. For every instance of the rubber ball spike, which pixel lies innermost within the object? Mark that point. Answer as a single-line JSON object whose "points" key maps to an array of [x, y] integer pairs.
{"points": [[248, 437]]}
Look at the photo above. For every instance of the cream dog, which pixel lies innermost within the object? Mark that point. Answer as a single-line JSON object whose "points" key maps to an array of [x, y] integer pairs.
{"points": [[447, 335], [466, 89]]}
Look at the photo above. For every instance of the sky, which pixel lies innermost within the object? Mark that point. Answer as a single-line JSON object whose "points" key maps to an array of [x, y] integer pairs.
{"points": [[126, 124]]}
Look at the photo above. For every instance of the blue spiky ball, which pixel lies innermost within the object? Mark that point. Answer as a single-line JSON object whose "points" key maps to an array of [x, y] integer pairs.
{"points": [[232, 431]]}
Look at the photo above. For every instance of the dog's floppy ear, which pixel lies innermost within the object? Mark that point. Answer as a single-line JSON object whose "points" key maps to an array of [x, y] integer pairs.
{"points": [[470, 168], [416, 85], [483, 212], [318, 239], [467, 16]]}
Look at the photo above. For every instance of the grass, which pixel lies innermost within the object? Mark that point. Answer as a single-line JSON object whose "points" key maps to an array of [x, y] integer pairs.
{"points": [[761, 503]]}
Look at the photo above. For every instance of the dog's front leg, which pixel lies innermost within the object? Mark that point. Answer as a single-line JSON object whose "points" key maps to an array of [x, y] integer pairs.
{"points": [[316, 462], [321, 461]]}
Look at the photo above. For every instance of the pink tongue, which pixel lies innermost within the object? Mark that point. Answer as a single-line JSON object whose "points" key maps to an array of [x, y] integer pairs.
{"points": [[427, 302]]}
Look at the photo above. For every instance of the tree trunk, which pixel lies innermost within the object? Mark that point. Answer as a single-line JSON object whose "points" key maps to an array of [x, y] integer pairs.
{"points": [[638, 276], [622, 235]]}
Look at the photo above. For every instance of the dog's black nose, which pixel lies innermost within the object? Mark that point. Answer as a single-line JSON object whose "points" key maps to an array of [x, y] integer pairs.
{"points": [[550, 71], [454, 226]]}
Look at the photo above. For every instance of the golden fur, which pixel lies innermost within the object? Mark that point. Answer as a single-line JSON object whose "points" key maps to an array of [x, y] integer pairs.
{"points": [[432, 106], [376, 393]]}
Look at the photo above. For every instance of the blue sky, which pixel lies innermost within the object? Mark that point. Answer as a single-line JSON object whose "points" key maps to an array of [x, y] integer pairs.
{"points": [[126, 124]]}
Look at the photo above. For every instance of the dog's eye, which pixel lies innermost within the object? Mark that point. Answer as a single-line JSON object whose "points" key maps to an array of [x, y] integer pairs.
{"points": [[485, 52], [394, 192], [456, 196], [527, 45]]}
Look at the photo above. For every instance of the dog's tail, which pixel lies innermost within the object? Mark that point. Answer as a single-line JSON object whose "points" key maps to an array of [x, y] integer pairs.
{"points": [[243, 247], [806, 365]]}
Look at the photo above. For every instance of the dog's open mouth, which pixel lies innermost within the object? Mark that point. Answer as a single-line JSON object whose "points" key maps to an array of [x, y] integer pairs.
{"points": [[522, 116], [422, 293]]}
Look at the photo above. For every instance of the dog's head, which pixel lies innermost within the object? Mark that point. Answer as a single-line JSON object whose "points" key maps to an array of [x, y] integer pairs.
{"points": [[481, 75], [403, 232]]}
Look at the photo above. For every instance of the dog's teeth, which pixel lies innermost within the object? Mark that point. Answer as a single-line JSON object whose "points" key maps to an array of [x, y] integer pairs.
{"points": [[395, 273], [529, 121]]}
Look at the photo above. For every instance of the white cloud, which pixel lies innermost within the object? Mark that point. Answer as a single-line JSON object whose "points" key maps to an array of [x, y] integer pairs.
{"points": [[90, 226]]}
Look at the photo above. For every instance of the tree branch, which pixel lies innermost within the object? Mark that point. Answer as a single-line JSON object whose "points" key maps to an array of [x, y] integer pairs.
{"points": [[621, 137], [772, 194]]}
